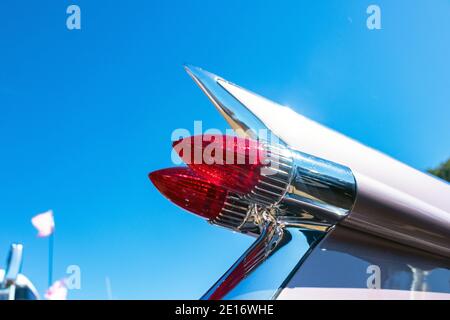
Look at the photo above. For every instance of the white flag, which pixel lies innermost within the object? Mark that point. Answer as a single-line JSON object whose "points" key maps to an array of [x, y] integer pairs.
{"points": [[58, 291], [44, 223]]}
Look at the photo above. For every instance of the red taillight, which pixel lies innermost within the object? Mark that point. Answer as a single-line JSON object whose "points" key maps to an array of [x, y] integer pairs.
{"points": [[231, 162], [189, 191]]}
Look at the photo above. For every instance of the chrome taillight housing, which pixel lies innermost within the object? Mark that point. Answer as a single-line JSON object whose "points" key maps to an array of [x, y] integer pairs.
{"points": [[212, 202], [297, 187], [230, 179]]}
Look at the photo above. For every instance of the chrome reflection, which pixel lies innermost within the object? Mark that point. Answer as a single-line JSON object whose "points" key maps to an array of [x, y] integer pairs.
{"points": [[300, 189], [238, 116], [263, 269], [13, 284], [319, 187]]}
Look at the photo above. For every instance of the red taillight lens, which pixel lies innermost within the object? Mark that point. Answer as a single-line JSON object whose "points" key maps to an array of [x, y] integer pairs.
{"points": [[231, 162], [189, 191]]}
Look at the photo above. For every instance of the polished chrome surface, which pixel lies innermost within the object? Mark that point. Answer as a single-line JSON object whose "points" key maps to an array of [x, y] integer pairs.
{"points": [[275, 178], [13, 264], [238, 215], [393, 201], [407, 210], [319, 187], [305, 190], [261, 271], [265, 282], [234, 212], [243, 121], [269, 237], [21, 289]]}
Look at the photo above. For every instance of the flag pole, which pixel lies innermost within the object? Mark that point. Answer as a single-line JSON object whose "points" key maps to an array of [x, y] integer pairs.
{"points": [[50, 258], [108, 288]]}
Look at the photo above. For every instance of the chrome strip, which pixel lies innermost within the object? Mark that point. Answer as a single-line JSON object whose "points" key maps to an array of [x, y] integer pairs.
{"points": [[284, 251], [238, 215], [395, 201], [14, 264], [299, 186], [242, 120], [258, 251], [325, 189]]}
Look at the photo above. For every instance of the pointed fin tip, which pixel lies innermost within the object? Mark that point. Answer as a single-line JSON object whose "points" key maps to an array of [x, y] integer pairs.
{"points": [[236, 113], [199, 73], [191, 68]]}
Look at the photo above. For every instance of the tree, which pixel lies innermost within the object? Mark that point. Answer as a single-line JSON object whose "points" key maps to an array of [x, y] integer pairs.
{"points": [[442, 171]]}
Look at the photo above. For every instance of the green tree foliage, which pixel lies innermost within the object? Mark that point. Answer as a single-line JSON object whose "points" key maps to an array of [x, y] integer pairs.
{"points": [[442, 171]]}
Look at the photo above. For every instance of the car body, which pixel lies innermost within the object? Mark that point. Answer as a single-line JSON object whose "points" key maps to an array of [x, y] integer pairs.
{"points": [[393, 242]]}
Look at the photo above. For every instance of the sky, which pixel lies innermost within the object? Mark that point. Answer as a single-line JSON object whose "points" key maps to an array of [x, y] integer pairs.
{"points": [[86, 114]]}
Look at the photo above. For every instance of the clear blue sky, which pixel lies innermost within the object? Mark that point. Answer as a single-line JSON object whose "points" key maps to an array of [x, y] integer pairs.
{"points": [[86, 115]]}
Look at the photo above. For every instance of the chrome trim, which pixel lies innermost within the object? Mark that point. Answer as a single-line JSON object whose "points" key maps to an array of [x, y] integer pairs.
{"points": [[13, 264], [301, 185], [395, 201], [302, 189], [407, 207], [13, 284], [268, 264], [319, 187], [21, 286], [275, 178], [270, 235], [242, 120], [238, 215]]}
